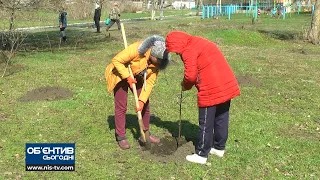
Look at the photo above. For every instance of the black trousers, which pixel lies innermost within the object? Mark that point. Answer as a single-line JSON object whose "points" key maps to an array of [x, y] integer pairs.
{"points": [[213, 128], [97, 23], [63, 34]]}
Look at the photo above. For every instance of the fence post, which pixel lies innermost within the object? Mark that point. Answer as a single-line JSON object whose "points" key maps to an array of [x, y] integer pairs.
{"points": [[256, 12], [203, 12], [247, 10], [229, 12]]}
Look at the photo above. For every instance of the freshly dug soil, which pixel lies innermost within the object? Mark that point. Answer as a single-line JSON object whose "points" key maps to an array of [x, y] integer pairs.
{"points": [[47, 93], [170, 149]]}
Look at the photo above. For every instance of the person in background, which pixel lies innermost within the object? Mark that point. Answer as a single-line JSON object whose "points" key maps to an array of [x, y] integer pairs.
{"points": [[114, 16], [146, 58], [274, 13], [279, 10], [63, 24], [96, 18], [206, 68]]}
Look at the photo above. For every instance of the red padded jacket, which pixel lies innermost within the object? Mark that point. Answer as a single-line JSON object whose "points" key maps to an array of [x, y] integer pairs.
{"points": [[205, 67]]}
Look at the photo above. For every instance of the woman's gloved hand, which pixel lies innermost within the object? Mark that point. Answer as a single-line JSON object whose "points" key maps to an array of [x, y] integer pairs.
{"points": [[141, 104], [130, 81]]}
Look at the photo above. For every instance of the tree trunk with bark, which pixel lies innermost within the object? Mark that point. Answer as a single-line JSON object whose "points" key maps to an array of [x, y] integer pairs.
{"points": [[199, 6], [161, 9], [153, 11], [314, 31]]}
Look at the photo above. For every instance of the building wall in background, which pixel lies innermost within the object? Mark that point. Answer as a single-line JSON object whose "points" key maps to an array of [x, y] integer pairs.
{"points": [[184, 4]]}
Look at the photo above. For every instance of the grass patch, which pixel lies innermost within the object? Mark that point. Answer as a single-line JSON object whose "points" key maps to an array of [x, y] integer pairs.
{"points": [[274, 124], [241, 37]]}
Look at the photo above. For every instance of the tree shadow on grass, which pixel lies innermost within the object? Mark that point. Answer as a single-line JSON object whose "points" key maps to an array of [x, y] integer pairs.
{"points": [[188, 130], [132, 124], [80, 39]]}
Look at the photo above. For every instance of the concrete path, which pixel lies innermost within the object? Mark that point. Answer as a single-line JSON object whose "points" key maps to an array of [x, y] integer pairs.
{"points": [[102, 23]]}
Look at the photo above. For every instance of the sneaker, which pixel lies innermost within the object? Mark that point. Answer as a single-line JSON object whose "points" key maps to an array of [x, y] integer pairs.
{"points": [[195, 158], [124, 144], [217, 152]]}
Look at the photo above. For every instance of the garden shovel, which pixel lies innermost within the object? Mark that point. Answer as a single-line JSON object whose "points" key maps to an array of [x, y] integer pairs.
{"points": [[145, 136]]}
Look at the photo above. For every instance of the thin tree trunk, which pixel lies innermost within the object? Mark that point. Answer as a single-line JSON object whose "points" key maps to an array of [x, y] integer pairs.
{"points": [[145, 3], [11, 19], [220, 11], [198, 7], [153, 12], [161, 9], [15, 43], [251, 6], [314, 32], [217, 7]]}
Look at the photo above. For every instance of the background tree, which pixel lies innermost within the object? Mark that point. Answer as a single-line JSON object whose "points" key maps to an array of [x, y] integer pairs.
{"points": [[12, 40], [153, 9], [198, 6], [12, 6], [314, 31], [161, 4], [145, 2]]}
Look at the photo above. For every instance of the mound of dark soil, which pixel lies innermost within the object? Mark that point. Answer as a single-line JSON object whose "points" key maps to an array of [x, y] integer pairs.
{"points": [[169, 150], [47, 93]]}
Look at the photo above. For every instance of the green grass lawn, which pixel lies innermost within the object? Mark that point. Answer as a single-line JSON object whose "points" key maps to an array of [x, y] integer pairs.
{"points": [[274, 125], [37, 18]]}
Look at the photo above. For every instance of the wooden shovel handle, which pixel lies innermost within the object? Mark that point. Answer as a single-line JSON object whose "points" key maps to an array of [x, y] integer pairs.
{"points": [[135, 94], [134, 89]]}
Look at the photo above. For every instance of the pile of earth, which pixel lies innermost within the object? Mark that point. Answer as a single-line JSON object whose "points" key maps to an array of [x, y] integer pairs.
{"points": [[47, 93]]}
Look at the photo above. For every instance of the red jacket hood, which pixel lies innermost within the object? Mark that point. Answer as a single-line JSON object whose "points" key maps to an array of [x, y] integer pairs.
{"points": [[177, 41]]}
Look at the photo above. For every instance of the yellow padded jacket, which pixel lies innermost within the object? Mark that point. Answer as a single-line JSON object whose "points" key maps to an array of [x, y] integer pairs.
{"points": [[118, 69]]}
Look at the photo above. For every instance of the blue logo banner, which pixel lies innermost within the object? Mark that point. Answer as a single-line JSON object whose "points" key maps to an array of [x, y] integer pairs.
{"points": [[50, 154]]}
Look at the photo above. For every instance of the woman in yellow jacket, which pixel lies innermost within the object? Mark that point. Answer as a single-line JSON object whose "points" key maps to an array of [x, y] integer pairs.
{"points": [[146, 58]]}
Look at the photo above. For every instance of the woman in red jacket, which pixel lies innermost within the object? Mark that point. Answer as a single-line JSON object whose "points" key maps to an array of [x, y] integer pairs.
{"points": [[207, 69]]}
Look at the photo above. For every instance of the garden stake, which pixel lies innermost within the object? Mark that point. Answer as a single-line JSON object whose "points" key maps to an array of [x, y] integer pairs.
{"points": [[179, 137], [145, 136]]}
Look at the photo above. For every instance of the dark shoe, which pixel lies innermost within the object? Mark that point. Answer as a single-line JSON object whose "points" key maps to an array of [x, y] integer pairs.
{"points": [[124, 144]]}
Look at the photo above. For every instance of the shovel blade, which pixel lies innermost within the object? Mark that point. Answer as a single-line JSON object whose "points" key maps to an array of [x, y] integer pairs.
{"points": [[145, 142]]}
